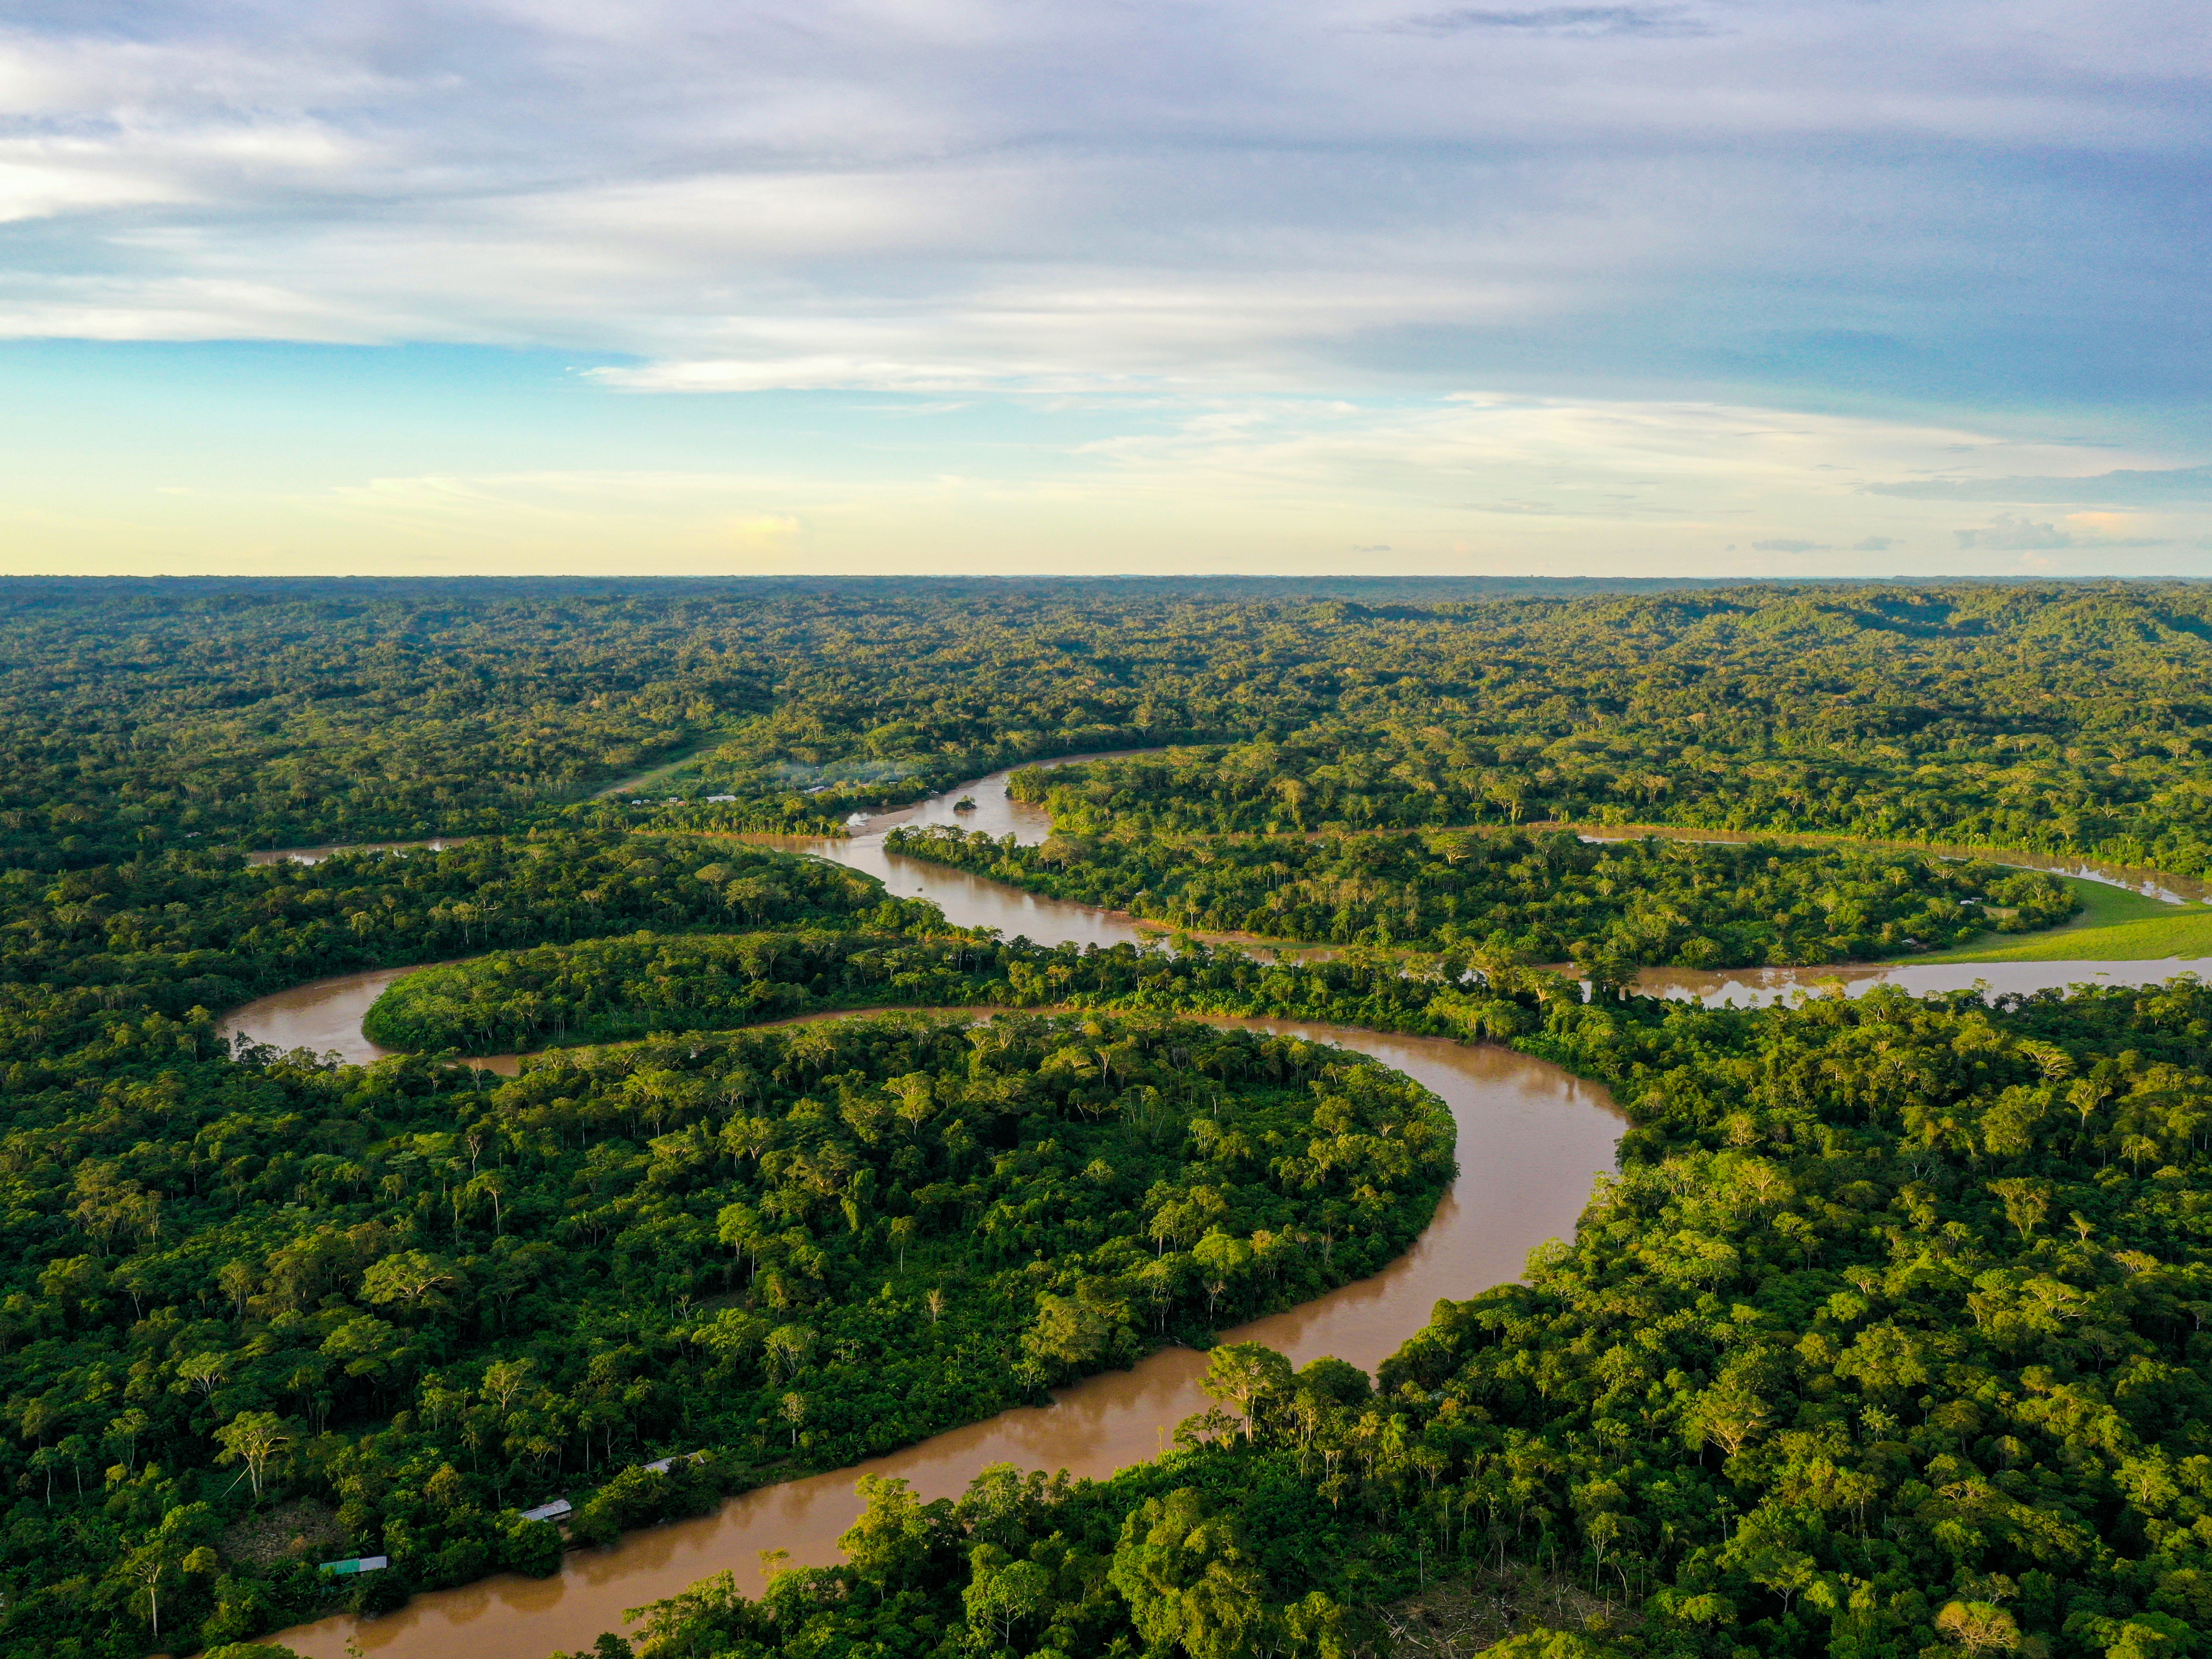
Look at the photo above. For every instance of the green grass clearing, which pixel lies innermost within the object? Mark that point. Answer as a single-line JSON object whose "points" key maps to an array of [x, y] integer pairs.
{"points": [[2104, 905], [2113, 925], [663, 769]]}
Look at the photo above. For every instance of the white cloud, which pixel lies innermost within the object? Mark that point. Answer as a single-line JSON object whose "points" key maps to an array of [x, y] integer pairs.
{"points": [[2010, 532], [41, 180], [181, 308], [975, 192]]}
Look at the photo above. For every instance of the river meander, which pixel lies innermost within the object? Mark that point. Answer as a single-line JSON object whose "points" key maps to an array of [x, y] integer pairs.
{"points": [[1531, 1139], [973, 901], [317, 1015]]}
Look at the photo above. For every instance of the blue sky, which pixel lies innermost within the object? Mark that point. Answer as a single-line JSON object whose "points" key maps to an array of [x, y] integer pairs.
{"points": [[1793, 288]]}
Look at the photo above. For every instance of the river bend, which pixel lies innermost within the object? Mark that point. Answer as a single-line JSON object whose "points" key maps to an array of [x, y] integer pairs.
{"points": [[1531, 1139]]}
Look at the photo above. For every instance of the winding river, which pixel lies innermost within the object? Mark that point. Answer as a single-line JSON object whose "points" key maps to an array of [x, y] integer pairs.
{"points": [[324, 1016], [973, 901], [1531, 1139]]}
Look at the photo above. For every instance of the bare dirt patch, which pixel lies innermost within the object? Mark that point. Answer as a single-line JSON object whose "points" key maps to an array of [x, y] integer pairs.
{"points": [[303, 1530], [1464, 1615]]}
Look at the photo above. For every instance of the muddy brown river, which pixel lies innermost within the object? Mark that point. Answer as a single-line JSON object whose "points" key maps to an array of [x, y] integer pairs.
{"points": [[1531, 1139], [312, 1015]]}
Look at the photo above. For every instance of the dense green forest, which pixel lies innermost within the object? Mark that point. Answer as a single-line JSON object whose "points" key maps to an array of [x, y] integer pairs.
{"points": [[1535, 898], [265, 1310], [2056, 716], [1888, 1331], [1886, 1339], [1693, 759], [422, 1300]]}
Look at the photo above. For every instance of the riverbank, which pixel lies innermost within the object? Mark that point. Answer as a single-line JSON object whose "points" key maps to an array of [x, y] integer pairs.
{"points": [[1531, 1138], [2114, 925], [1122, 1418]]}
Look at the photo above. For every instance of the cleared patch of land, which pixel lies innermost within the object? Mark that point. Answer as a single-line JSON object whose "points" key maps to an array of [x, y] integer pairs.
{"points": [[301, 1530], [1461, 1614], [664, 769], [2113, 925]]}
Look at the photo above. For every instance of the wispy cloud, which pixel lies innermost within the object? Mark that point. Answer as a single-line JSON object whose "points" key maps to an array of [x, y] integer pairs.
{"points": [[2125, 487], [2007, 534], [811, 193], [1585, 21]]}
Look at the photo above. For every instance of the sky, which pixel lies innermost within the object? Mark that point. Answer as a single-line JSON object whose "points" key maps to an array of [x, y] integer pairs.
{"points": [[1795, 288]]}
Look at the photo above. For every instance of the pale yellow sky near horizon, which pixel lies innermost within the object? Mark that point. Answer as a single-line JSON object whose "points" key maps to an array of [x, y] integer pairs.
{"points": [[1474, 484]]}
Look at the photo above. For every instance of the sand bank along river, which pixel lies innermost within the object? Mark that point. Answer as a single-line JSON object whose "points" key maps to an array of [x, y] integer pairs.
{"points": [[1531, 1138]]}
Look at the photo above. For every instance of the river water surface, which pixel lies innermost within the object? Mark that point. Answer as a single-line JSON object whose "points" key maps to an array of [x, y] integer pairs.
{"points": [[317, 1015], [1531, 1139]]}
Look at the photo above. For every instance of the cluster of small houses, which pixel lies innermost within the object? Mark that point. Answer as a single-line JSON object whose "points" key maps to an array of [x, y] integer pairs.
{"points": [[556, 1511]]}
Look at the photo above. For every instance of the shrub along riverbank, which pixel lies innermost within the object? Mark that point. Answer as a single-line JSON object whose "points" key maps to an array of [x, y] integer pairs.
{"points": [[616, 989]]}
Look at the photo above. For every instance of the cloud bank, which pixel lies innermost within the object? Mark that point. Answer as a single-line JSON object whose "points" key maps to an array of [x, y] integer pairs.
{"points": [[909, 194]]}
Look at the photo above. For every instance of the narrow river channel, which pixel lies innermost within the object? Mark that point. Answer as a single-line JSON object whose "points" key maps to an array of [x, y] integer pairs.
{"points": [[321, 1015], [1531, 1139]]}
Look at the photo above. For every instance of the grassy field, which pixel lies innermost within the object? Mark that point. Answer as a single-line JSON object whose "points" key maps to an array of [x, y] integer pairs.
{"points": [[663, 769], [2113, 925]]}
